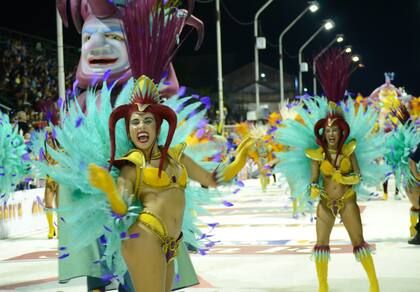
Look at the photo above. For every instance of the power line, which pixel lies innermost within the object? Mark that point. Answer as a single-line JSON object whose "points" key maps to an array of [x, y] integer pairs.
{"points": [[289, 54], [234, 18], [267, 40], [204, 1], [245, 23]]}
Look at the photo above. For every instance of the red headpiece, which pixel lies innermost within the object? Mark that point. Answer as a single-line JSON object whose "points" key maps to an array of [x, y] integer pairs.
{"points": [[152, 29], [333, 72], [145, 99], [333, 119]]}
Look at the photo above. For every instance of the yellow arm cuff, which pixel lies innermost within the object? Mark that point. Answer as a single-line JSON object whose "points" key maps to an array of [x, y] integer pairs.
{"points": [[315, 191], [102, 180], [117, 203], [230, 171]]}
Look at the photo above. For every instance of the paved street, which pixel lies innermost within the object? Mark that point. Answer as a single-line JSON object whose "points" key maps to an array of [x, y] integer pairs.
{"points": [[263, 248]]}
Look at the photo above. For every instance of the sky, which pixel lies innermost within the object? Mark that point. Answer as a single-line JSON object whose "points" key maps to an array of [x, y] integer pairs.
{"points": [[384, 33]]}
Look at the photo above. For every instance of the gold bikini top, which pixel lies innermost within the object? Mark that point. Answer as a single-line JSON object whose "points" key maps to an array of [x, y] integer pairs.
{"points": [[149, 175], [327, 169]]}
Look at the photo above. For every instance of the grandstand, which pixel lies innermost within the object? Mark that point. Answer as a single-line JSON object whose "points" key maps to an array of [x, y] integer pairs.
{"points": [[28, 71]]}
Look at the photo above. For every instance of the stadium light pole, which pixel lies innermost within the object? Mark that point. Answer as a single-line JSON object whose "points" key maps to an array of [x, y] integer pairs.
{"points": [[256, 59], [60, 57], [219, 67], [328, 24], [338, 39], [313, 6]]}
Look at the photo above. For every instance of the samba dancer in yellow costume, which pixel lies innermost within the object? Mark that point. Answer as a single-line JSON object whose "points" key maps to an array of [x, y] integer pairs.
{"points": [[142, 210], [324, 153], [51, 192], [157, 176], [404, 164], [387, 97], [262, 151]]}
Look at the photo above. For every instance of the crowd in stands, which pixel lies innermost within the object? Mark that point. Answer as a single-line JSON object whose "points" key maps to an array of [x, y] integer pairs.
{"points": [[28, 80]]}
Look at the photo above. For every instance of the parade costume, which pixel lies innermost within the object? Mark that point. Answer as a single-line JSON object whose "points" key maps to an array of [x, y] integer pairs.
{"points": [[88, 217], [322, 158], [386, 98], [51, 189], [206, 141], [275, 120], [14, 158], [399, 143], [103, 53], [262, 152]]}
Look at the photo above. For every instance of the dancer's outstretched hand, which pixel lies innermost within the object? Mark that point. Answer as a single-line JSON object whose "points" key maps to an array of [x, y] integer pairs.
{"points": [[100, 178], [231, 170]]}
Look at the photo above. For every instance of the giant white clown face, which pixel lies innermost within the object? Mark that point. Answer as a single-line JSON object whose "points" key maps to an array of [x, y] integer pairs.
{"points": [[103, 49]]}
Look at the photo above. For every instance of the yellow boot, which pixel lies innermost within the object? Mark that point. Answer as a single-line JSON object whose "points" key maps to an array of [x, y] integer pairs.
{"points": [[264, 181], [385, 197], [294, 208], [363, 254], [414, 218], [50, 219], [321, 254]]}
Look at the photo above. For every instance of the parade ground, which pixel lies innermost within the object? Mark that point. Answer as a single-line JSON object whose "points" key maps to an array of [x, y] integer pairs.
{"points": [[262, 248]]}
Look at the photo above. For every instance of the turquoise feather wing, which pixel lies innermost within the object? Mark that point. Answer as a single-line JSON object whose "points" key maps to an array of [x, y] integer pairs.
{"points": [[297, 167], [399, 144], [370, 146], [90, 217], [14, 158]]}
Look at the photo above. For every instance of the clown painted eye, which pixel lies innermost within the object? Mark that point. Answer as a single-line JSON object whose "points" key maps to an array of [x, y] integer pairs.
{"points": [[113, 36], [86, 38]]}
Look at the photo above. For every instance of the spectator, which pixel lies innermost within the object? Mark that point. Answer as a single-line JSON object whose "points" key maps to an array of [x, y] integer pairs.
{"points": [[27, 76], [22, 122]]}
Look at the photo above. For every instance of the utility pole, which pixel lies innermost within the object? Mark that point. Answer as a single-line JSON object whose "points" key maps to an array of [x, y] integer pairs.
{"points": [[60, 56], [219, 67]]}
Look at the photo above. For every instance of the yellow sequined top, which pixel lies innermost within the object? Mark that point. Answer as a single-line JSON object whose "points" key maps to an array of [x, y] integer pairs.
{"points": [[344, 168], [147, 175]]}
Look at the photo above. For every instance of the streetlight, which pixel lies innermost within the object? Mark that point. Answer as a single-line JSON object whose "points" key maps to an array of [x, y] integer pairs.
{"points": [[313, 6], [338, 39], [347, 49], [358, 64], [327, 25], [256, 60]]}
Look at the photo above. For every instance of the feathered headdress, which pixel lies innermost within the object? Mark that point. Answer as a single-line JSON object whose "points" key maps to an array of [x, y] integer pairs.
{"points": [[152, 29], [333, 70], [402, 114]]}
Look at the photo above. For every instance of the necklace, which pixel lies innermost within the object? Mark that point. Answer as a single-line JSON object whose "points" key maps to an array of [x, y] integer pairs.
{"points": [[332, 151], [156, 155]]}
